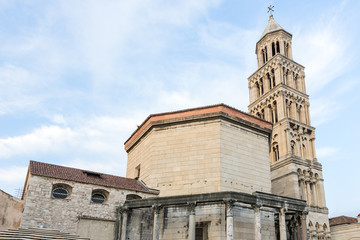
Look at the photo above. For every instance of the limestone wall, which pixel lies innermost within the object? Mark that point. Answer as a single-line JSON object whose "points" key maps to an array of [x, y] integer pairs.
{"points": [[204, 156], [346, 232], [179, 159], [63, 214], [244, 157], [11, 210], [96, 229]]}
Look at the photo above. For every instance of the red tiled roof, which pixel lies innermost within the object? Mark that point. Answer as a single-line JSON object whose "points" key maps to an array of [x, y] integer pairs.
{"points": [[197, 111], [342, 220], [83, 176]]}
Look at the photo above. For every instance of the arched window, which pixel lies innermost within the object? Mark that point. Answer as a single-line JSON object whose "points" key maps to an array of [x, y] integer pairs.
{"points": [[275, 112], [61, 191], [132, 197], [99, 196], [286, 49], [261, 87], [273, 49], [277, 47], [276, 151], [257, 89], [266, 55], [273, 80], [263, 56], [292, 146]]}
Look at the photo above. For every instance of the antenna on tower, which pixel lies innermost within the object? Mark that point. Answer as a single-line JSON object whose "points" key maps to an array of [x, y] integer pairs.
{"points": [[270, 9]]}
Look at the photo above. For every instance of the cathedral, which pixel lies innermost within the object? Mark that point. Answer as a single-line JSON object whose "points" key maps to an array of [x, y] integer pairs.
{"points": [[206, 173]]}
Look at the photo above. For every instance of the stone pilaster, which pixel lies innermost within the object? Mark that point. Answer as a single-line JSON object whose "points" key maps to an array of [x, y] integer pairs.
{"points": [[192, 220], [156, 227], [257, 222], [282, 224], [125, 213], [229, 219]]}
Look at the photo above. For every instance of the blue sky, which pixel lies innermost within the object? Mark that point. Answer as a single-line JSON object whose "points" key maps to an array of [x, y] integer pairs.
{"points": [[77, 77]]}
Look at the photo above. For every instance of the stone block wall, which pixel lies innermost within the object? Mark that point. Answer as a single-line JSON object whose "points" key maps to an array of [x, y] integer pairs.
{"points": [[209, 155], [245, 165], [41, 209]]}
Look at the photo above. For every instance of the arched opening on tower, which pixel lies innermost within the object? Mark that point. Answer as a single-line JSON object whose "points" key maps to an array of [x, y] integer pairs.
{"points": [[273, 82], [277, 47], [275, 149], [273, 49]]}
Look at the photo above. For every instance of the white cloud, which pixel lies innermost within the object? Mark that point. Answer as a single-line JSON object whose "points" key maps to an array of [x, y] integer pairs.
{"points": [[13, 173], [324, 152], [324, 48]]}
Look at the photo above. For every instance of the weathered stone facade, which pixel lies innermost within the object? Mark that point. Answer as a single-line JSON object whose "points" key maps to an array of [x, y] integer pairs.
{"points": [[75, 214], [222, 215], [11, 210]]}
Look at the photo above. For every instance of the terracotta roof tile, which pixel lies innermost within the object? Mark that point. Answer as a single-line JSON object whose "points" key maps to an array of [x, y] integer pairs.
{"points": [[342, 220], [84, 176]]}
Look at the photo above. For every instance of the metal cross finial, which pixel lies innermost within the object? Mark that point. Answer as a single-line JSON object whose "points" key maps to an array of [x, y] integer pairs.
{"points": [[270, 9]]}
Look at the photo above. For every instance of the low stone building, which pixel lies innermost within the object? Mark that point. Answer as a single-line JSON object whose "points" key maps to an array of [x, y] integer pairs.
{"points": [[76, 201], [345, 228]]}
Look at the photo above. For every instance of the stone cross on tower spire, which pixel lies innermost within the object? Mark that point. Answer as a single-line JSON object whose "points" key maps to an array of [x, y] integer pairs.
{"points": [[270, 9]]}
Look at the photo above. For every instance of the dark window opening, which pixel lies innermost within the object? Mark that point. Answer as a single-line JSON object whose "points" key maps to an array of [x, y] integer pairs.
{"points": [[137, 169], [92, 174], [59, 192], [201, 231], [273, 49], [132, 197], [98, 198], [266, 55], [277, 47]]}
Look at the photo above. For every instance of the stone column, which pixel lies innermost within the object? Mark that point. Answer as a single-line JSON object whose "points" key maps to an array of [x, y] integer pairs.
{"points": [[303, 225], [308, 190], [118, 223], [282, 224], [156, 227], [257, 221], [287, 139], [125, 213], [302, 192], [266, 82], [315, 198], [229, 219], [298, 231], [313, 148], [307, 114], [192, 220], [322, 192], [267, 111]]}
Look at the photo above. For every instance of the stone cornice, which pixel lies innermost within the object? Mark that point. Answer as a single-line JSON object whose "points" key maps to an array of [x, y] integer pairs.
{"points": [[260, 198], [275, 60], [280, 88], [296, 160], [293, 121]]}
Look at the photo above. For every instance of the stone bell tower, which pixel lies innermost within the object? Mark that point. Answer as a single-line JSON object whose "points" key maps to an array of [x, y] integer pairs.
{"points": [[278, 95]]}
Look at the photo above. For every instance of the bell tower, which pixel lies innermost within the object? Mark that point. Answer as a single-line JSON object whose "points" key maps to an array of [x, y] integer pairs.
{"points": [[277, 94]]}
